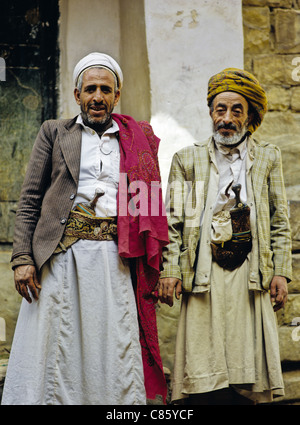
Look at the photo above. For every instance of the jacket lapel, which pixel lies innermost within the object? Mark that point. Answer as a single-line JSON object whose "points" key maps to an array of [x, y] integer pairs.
{"points": [[70, 144], [202, 164]]}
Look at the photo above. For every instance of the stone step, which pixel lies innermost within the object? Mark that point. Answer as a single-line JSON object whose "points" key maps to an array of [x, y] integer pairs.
{"points": [[291, 387]]}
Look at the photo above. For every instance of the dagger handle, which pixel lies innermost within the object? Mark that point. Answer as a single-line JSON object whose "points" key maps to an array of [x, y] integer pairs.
{"points": [[237, 190], [98, 193]]}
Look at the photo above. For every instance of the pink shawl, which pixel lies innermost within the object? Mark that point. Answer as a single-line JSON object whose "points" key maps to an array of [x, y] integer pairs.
{"points": [[142, 233]]}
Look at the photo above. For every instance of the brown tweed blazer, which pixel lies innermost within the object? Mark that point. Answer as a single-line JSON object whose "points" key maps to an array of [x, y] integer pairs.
{"points": [[48, 190]]}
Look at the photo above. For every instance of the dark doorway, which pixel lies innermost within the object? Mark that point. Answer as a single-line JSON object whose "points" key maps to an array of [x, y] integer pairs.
{"points": [[28, 96]]}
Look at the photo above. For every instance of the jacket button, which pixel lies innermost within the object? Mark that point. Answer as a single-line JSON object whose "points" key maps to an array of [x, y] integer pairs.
{"points": [[72, 196], [63, 221]]}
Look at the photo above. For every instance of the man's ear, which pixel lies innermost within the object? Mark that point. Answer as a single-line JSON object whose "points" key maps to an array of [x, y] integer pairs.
{"points": [[77, 95], [211, 107], [117, 97], [250, 118]]}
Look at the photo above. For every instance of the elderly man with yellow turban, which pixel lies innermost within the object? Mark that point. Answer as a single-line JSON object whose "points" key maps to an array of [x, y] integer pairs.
{"points": [[229, 253], [87, 263]]}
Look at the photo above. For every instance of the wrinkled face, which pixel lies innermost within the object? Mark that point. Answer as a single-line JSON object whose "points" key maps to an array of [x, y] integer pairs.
{"points": [[230, 117], [97, 97]]}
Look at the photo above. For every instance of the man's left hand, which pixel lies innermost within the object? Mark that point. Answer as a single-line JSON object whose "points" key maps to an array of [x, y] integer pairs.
{"points": [[279, 292], [166, 288]]}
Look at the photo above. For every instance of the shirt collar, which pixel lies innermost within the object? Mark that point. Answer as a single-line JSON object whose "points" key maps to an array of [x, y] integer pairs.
{"points": [[241, 149], [113, 129]]}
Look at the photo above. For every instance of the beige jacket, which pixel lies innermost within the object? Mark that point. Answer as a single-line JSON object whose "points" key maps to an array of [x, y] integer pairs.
{"points": [[193, 164]]}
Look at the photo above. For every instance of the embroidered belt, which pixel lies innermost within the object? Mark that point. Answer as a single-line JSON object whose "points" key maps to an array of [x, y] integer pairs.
{"points": [[83, 226]]}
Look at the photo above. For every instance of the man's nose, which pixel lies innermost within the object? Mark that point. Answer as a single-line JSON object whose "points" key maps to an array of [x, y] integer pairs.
{"points": [[227, 117], [98, 95]]}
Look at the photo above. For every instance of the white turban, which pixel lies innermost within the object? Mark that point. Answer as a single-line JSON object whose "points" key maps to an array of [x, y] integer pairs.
{"points": [[98, 59]]}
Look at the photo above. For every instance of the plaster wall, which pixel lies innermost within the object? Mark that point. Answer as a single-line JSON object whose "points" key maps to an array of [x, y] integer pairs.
{"points": [[187, 43], [84, 27], [167, 50]]}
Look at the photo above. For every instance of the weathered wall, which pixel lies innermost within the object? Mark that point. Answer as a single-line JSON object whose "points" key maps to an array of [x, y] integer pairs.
{"points": [[289, 319], [84, 27], [272, 53], [271, 34], [183, 41], [114, 27], [28, 38], [136, 93]]}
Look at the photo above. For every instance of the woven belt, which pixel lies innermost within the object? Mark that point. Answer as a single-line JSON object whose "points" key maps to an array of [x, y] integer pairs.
{"points": [[83, 226]]}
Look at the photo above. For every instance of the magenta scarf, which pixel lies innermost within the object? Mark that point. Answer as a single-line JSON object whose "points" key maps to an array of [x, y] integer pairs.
{"points": [[142, 233]]}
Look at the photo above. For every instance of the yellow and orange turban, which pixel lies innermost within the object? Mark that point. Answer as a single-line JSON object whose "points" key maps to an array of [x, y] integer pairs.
{"points": [[244, 83]]}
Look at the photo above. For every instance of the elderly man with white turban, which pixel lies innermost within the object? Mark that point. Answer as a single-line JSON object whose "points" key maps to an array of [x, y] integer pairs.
{"points": [[85, 261], [229, 253]]}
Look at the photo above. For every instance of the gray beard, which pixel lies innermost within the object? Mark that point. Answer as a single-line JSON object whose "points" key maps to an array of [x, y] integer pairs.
{"points": [[229, 140], [96, 123], [89, 121]]}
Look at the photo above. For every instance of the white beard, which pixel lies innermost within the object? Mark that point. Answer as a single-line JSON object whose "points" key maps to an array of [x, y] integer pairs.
{"points": [[229, 140]]}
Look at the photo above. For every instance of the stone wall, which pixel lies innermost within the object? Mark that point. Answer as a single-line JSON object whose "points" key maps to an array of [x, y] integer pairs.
{"points": [[272, 53]]}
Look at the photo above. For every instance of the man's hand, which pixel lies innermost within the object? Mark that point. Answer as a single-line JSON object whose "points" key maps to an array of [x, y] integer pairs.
{"points": [[166, 287], [279, 292], [26, 278]]}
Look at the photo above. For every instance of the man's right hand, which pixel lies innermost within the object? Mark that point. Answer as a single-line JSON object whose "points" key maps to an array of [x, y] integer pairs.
{"points": [[166, 287], [26, 278]]}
